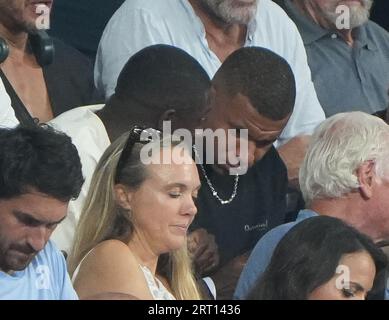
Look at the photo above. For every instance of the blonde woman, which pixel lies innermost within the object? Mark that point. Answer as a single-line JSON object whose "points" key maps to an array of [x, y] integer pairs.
{"points": [[131, 238]]}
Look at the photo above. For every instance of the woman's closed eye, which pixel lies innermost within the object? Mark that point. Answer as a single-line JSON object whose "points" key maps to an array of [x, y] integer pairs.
{"points": [[175, 194], [348, 293]]}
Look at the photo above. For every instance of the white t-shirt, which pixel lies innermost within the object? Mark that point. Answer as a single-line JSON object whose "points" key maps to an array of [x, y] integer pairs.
{"points": [[90, 137], [7, 114], [141, 23], [45, 278]]}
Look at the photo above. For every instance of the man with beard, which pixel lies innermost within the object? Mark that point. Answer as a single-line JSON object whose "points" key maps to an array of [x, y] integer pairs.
{"points": [[348, 54], [43, 79], [210, 30], [40, 171]]}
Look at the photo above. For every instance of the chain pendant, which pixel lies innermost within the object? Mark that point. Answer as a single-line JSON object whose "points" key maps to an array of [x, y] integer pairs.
{"points": [[212, 188]]}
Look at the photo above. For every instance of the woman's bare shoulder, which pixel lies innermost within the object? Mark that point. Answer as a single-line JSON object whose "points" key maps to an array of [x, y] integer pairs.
{"points": [[111, 267]]}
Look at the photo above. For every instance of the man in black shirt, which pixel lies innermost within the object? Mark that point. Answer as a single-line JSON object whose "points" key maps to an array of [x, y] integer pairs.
{"points": [[254, 89], [42, 77]]}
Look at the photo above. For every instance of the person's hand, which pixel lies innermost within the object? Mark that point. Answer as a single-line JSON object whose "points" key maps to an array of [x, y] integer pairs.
{"points": [[204, 251], [226, 277], [293, 153]]}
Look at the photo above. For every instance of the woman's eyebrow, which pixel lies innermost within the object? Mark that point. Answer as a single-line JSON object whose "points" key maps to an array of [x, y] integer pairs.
{"points": [[357, 286]]}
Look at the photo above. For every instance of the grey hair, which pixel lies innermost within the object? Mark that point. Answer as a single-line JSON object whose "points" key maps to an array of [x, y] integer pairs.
{"points": [[339, 146]]}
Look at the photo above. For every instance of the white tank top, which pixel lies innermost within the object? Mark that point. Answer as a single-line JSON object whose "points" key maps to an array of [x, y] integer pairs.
{"points": [[157, 289]]}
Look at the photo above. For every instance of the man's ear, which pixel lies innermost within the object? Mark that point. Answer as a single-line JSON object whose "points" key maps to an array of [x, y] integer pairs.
{"points": [[168, 115], [123, 196], [366, 175]]}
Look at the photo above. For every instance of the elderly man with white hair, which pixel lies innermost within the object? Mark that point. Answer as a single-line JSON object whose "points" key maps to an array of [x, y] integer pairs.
{"points": [[345, 174]]}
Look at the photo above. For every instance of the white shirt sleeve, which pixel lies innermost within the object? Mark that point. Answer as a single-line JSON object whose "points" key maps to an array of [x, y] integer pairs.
{"points": [[7, 114], [307, 113], [129, 31], [89, 136], [211, 286], [279, 33]]}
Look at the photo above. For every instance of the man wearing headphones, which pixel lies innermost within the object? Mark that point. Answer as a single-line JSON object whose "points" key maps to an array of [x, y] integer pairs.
{"points": [[42, 76]]}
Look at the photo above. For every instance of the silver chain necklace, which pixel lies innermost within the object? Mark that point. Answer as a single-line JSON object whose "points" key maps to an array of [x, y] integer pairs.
{"points": [[210, 185]]}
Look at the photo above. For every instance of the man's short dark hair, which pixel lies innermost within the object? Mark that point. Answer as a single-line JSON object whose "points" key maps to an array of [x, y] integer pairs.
{"points": [[38, 158], [264, 77], [161, 77]]}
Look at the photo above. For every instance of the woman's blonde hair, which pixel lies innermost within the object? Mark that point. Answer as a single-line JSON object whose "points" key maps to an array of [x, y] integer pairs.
{"points": [[102, 218]]}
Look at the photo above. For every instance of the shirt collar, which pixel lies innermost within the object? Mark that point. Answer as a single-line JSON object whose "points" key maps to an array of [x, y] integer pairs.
{"points": [[305, 214], [311, 32], [362, 39], [195, 18], [251, 27]]}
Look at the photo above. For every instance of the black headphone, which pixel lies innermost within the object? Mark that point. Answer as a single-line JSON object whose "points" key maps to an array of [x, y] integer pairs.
{"points": [[4, 50], [41, 44]]}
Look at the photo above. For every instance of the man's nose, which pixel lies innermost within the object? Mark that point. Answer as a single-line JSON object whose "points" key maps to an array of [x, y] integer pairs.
{"points": [[38, 238]]}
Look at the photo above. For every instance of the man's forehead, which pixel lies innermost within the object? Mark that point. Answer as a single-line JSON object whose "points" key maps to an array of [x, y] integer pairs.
{"points": [[39, 205], [242, 112], [238, 105], [39, 218]]}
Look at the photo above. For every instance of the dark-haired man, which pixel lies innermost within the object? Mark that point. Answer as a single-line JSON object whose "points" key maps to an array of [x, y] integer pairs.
{"points": [[159, 83], [254, 89], [40, 171]]}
